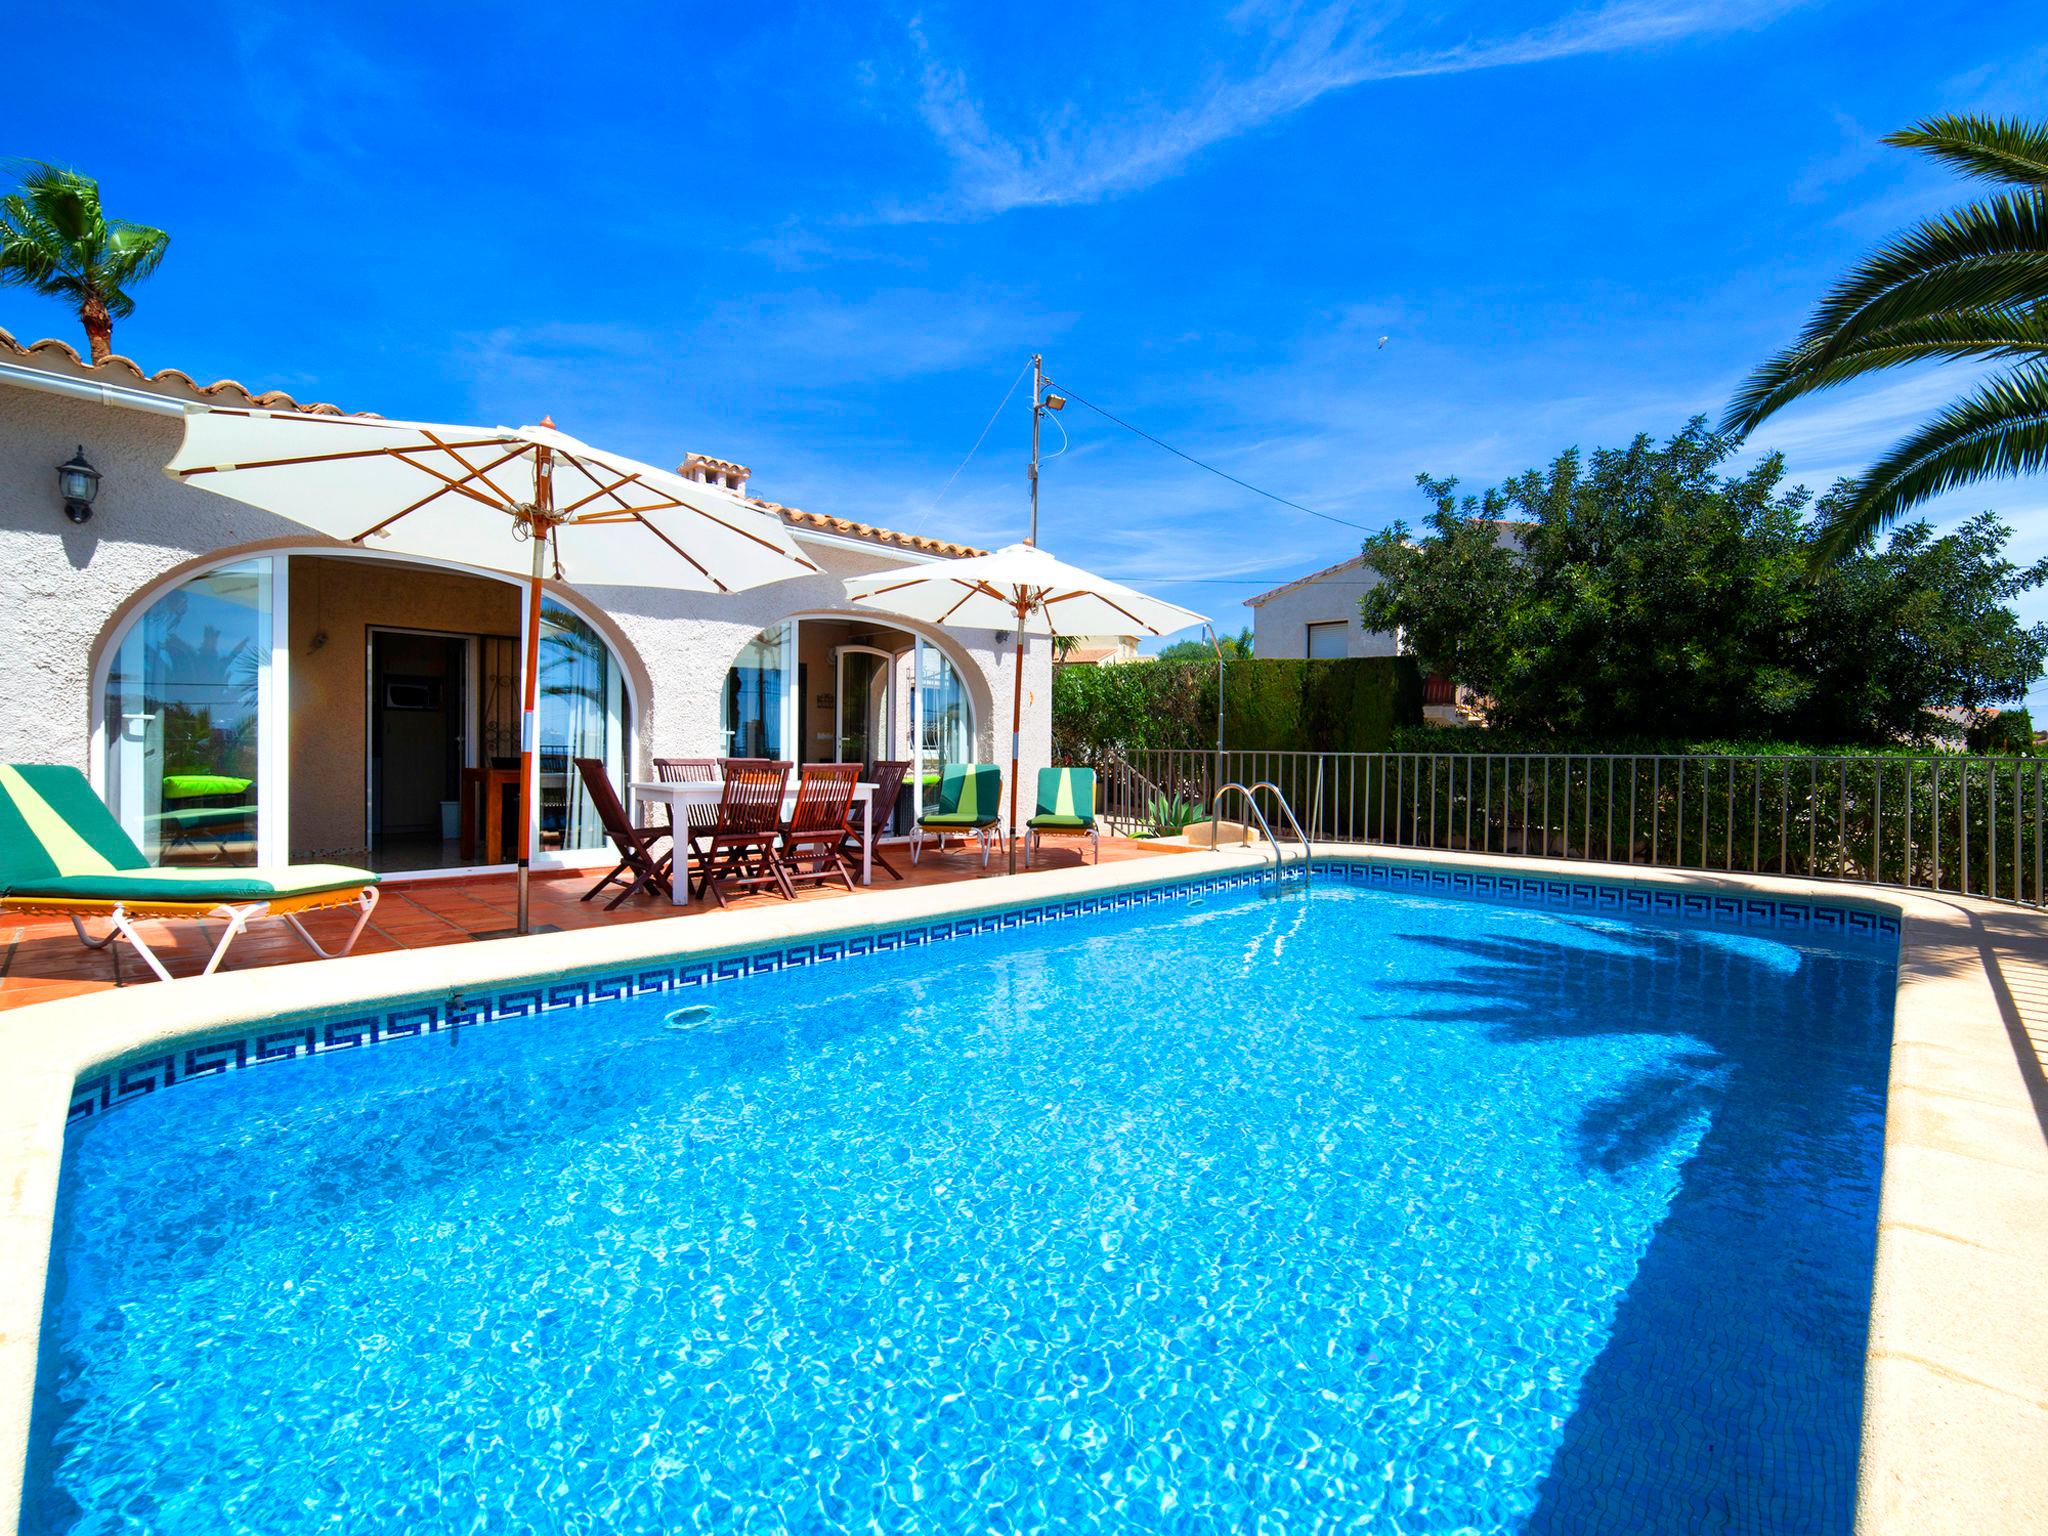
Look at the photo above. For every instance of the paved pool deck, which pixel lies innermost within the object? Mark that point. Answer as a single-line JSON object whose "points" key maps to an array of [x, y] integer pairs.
{"points": [[1955, 1435], [41, 959]]}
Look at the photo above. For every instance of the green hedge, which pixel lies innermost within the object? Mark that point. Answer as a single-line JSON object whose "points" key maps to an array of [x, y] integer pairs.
{"points": [[2014, 740], [1354, 705]]}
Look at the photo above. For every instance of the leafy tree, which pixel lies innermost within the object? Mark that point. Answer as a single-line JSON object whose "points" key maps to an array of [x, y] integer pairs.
{"points": [[1971, 284], [56, 239], [2009, 733], [1236, 647], [1654, 595]]}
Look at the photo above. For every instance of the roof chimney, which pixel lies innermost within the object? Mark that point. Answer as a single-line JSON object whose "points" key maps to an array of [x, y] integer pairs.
{"points": [[723, 473]]}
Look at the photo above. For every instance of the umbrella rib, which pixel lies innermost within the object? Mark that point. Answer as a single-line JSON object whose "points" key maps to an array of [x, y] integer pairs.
{"points": [[483, 473], [1109, 602], [915, 581], [769, 544], [672, 503], [335, 458], [437, 493], [971, 593], [462, 487], [672, 544], [602, 490]]}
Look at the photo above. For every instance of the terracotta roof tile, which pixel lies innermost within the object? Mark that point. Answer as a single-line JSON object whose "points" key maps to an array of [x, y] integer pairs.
{"points": [[172, 381], [848, 528]]}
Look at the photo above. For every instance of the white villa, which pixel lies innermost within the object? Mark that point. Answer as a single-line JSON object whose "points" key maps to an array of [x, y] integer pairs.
{"points": [[240, 688]]}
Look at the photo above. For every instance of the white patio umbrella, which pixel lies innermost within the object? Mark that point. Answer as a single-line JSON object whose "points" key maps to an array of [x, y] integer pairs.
{"points": [[1021, 588], [473, 495]]}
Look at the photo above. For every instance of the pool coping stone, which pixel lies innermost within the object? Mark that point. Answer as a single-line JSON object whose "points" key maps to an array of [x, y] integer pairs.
{"points": [[1955, 1431]]}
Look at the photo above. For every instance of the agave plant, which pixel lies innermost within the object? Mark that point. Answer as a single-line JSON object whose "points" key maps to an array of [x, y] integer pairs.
{"points": [[56, 239], [1972, 284], [1171, 814]]}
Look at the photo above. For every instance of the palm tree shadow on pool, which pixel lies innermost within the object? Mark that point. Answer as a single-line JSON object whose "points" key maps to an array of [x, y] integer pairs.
{"points": [[1728, 1395]]}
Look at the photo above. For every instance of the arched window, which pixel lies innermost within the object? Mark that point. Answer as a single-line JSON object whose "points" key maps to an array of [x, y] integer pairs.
{"points": [[582, 714], [336, 707], [827, 688], [183, 715], [758, 696]]}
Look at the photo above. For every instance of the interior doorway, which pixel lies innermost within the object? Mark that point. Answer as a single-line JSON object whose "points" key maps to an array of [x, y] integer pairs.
{"points": [[419, 733]]}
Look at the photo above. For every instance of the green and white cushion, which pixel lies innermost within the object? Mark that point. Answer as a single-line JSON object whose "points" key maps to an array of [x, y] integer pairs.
{"points": [[58, 841], [1066, 800], [970, 797]]}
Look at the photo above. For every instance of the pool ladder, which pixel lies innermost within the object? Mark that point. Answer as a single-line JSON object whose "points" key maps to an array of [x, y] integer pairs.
{"points": [[1251, 800]]}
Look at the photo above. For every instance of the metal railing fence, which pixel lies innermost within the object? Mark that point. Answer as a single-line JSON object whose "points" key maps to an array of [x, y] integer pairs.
{"points": [[1940, 821]]}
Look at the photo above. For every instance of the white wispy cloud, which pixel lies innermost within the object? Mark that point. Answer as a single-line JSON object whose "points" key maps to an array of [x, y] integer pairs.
{"points": [[1304, 58]]}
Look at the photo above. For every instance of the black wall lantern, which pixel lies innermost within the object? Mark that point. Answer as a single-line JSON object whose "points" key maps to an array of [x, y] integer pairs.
{"points": [[78, 482]]}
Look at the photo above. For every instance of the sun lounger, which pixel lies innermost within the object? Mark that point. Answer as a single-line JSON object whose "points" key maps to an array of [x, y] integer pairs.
{"points": [[1066, 808], [970, 800], [62, 853]]}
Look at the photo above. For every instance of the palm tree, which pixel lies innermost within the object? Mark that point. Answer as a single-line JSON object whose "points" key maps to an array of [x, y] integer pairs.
{"points": [[1972, 284], [56, 239]]}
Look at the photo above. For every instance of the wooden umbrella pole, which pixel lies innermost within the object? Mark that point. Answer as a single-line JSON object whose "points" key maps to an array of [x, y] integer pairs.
{"points": [[529, 724], [1016, 728]]}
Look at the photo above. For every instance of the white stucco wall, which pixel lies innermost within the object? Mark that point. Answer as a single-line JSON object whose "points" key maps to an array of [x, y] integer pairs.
{"points": [[62, 586], [1280, 624]]}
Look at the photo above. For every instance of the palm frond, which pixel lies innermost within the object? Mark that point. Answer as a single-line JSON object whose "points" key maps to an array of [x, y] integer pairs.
{"points": [[1986, 255], [1990, 148], [2017, 332], [1999, 431], [133, 251]]}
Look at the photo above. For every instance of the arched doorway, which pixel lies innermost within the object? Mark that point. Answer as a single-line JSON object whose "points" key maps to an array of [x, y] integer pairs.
{"points": [[341, 706], [834, 688]]}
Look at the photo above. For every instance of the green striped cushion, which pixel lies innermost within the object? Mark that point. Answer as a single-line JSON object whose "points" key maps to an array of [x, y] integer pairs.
{"points": [[58, 839], [1051, 823], [1066, 798], [51, 824], [146, 885], [970, 795]]}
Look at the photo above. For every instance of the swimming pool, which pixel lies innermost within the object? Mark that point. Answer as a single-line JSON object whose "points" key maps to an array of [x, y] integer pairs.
{"points": [[1373, 1207]]}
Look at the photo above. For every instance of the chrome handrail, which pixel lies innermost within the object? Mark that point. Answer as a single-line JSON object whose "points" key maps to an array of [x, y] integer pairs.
{"points": [[1251, 800]]}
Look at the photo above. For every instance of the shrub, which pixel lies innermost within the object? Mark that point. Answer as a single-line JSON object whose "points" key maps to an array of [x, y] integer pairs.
{"points": [[1353, 705]]}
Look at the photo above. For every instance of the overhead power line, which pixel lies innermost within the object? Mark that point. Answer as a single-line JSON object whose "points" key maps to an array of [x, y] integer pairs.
{"points": [[1200, 464], [977, 445]]}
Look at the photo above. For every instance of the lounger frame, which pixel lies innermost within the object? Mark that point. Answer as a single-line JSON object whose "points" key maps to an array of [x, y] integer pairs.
{"points": [[122, 916]]}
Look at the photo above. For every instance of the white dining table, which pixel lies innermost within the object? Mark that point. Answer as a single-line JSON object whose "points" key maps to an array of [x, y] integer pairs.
{"points": [[684, 795]]}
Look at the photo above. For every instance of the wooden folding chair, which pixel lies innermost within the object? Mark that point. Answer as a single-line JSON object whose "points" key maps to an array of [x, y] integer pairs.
{"points": [[640, 868], [810, 852], [887, 778], [739, 851], [696, 819]]}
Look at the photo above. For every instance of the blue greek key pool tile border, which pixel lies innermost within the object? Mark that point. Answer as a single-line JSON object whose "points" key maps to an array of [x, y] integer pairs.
{"points": [[1662, 903], [140, 1076]]}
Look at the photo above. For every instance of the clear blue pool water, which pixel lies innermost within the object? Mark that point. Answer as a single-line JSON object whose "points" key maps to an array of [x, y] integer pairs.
{"points": [[1362, 1211]]}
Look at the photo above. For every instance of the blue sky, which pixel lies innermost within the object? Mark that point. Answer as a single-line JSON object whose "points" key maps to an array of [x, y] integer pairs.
{"points": [[823, 240]]}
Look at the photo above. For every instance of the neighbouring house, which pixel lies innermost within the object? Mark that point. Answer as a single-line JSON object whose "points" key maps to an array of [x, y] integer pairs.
{"points": [[1316, 617], [241, 689], [1097, 651]]}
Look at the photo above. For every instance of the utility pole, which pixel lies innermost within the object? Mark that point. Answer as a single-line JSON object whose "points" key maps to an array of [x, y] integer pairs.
{"points": [[1037, 411]]}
